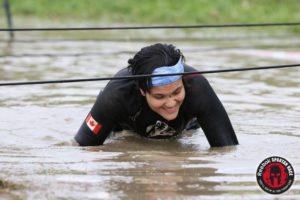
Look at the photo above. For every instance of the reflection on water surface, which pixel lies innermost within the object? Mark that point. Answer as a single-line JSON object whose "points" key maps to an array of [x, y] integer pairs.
{"points": [[39, 161]]}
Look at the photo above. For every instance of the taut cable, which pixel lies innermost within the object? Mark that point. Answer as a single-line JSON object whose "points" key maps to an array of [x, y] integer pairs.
{"points": [[152, 27], [145, 75]]}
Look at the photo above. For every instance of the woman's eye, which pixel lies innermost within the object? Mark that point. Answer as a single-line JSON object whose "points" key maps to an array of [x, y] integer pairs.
{"points": [[176, 92], [158, 96]]}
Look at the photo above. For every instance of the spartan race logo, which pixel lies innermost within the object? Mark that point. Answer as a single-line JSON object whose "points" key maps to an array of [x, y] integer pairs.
{"points": [[275, 175]]}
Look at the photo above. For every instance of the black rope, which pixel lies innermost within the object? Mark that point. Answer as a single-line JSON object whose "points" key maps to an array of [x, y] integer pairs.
{"points": [[204, 38], [60, 54], [146, 75], [154, 27], [131, 52]]}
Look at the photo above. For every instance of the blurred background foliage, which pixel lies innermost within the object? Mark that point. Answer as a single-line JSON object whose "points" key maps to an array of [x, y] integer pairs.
{"points": [[160, 11], [96, 13]]}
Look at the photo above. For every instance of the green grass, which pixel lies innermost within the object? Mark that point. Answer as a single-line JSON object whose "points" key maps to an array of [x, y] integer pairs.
{"points": [[153, 12], [161, 11]]}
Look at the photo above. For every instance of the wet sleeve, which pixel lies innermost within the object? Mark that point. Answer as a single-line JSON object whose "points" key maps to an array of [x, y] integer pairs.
{"points": [[97, 125], [211, 114]]}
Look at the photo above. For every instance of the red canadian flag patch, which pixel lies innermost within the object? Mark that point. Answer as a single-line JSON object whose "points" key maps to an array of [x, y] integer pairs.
{"points": [[93, 124]]}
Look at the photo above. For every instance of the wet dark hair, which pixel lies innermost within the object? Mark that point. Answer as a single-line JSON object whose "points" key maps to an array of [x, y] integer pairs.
{"points": [[151, 57]]}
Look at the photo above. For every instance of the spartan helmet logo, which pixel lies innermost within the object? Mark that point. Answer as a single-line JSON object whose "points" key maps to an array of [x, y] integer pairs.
{"points": [[275, 175]]}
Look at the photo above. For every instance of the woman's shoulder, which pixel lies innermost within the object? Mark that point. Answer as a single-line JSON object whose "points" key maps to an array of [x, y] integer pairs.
{"points": [[120, 86], [197, 87], [193, 78], [121, 93]]}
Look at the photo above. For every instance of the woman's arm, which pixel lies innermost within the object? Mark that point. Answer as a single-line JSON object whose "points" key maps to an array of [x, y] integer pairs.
{"points": [[213, 118], [210, 112], [97, 125]]}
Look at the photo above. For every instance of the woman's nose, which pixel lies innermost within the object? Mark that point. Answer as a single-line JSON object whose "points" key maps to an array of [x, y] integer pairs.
{"points": [[170, 101]]}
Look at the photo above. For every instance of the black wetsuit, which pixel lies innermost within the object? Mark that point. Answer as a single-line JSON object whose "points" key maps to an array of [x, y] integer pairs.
{"points": [[121, 106]]}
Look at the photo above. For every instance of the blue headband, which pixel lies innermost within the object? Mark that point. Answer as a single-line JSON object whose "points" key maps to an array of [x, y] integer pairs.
{"points": [[164, 80]]}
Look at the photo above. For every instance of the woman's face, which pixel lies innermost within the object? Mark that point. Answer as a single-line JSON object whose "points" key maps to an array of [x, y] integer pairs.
{"points": [[166, 100]]}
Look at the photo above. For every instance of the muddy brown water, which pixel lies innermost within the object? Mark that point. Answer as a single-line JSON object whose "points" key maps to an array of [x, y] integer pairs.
{"points": [[38, 159]]}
